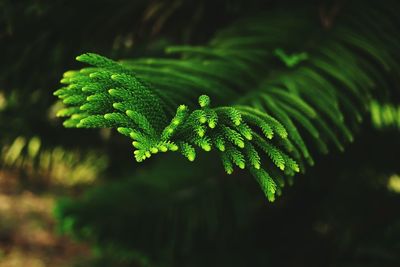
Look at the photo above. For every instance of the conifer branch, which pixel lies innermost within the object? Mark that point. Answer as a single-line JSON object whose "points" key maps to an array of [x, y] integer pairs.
{"points": [[266, 117]]}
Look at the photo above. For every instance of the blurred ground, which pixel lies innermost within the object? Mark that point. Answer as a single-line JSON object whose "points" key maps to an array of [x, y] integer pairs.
{"points": [[27, 230]]}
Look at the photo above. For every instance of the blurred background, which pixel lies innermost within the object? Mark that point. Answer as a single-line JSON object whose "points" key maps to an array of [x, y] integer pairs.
{"points": [[71, 197]]}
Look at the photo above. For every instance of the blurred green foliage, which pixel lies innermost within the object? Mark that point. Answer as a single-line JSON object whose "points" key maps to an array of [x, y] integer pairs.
{"points": [[345, 217], [385, 115], [54, 165]]}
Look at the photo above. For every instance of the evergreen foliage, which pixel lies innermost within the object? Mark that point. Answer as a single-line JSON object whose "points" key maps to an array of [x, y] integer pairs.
{"points": [[269, 92], [270, 108]]}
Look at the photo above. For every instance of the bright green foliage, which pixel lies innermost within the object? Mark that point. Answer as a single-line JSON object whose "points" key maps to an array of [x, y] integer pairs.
{"points": [[267, 121], [385, 115]]}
